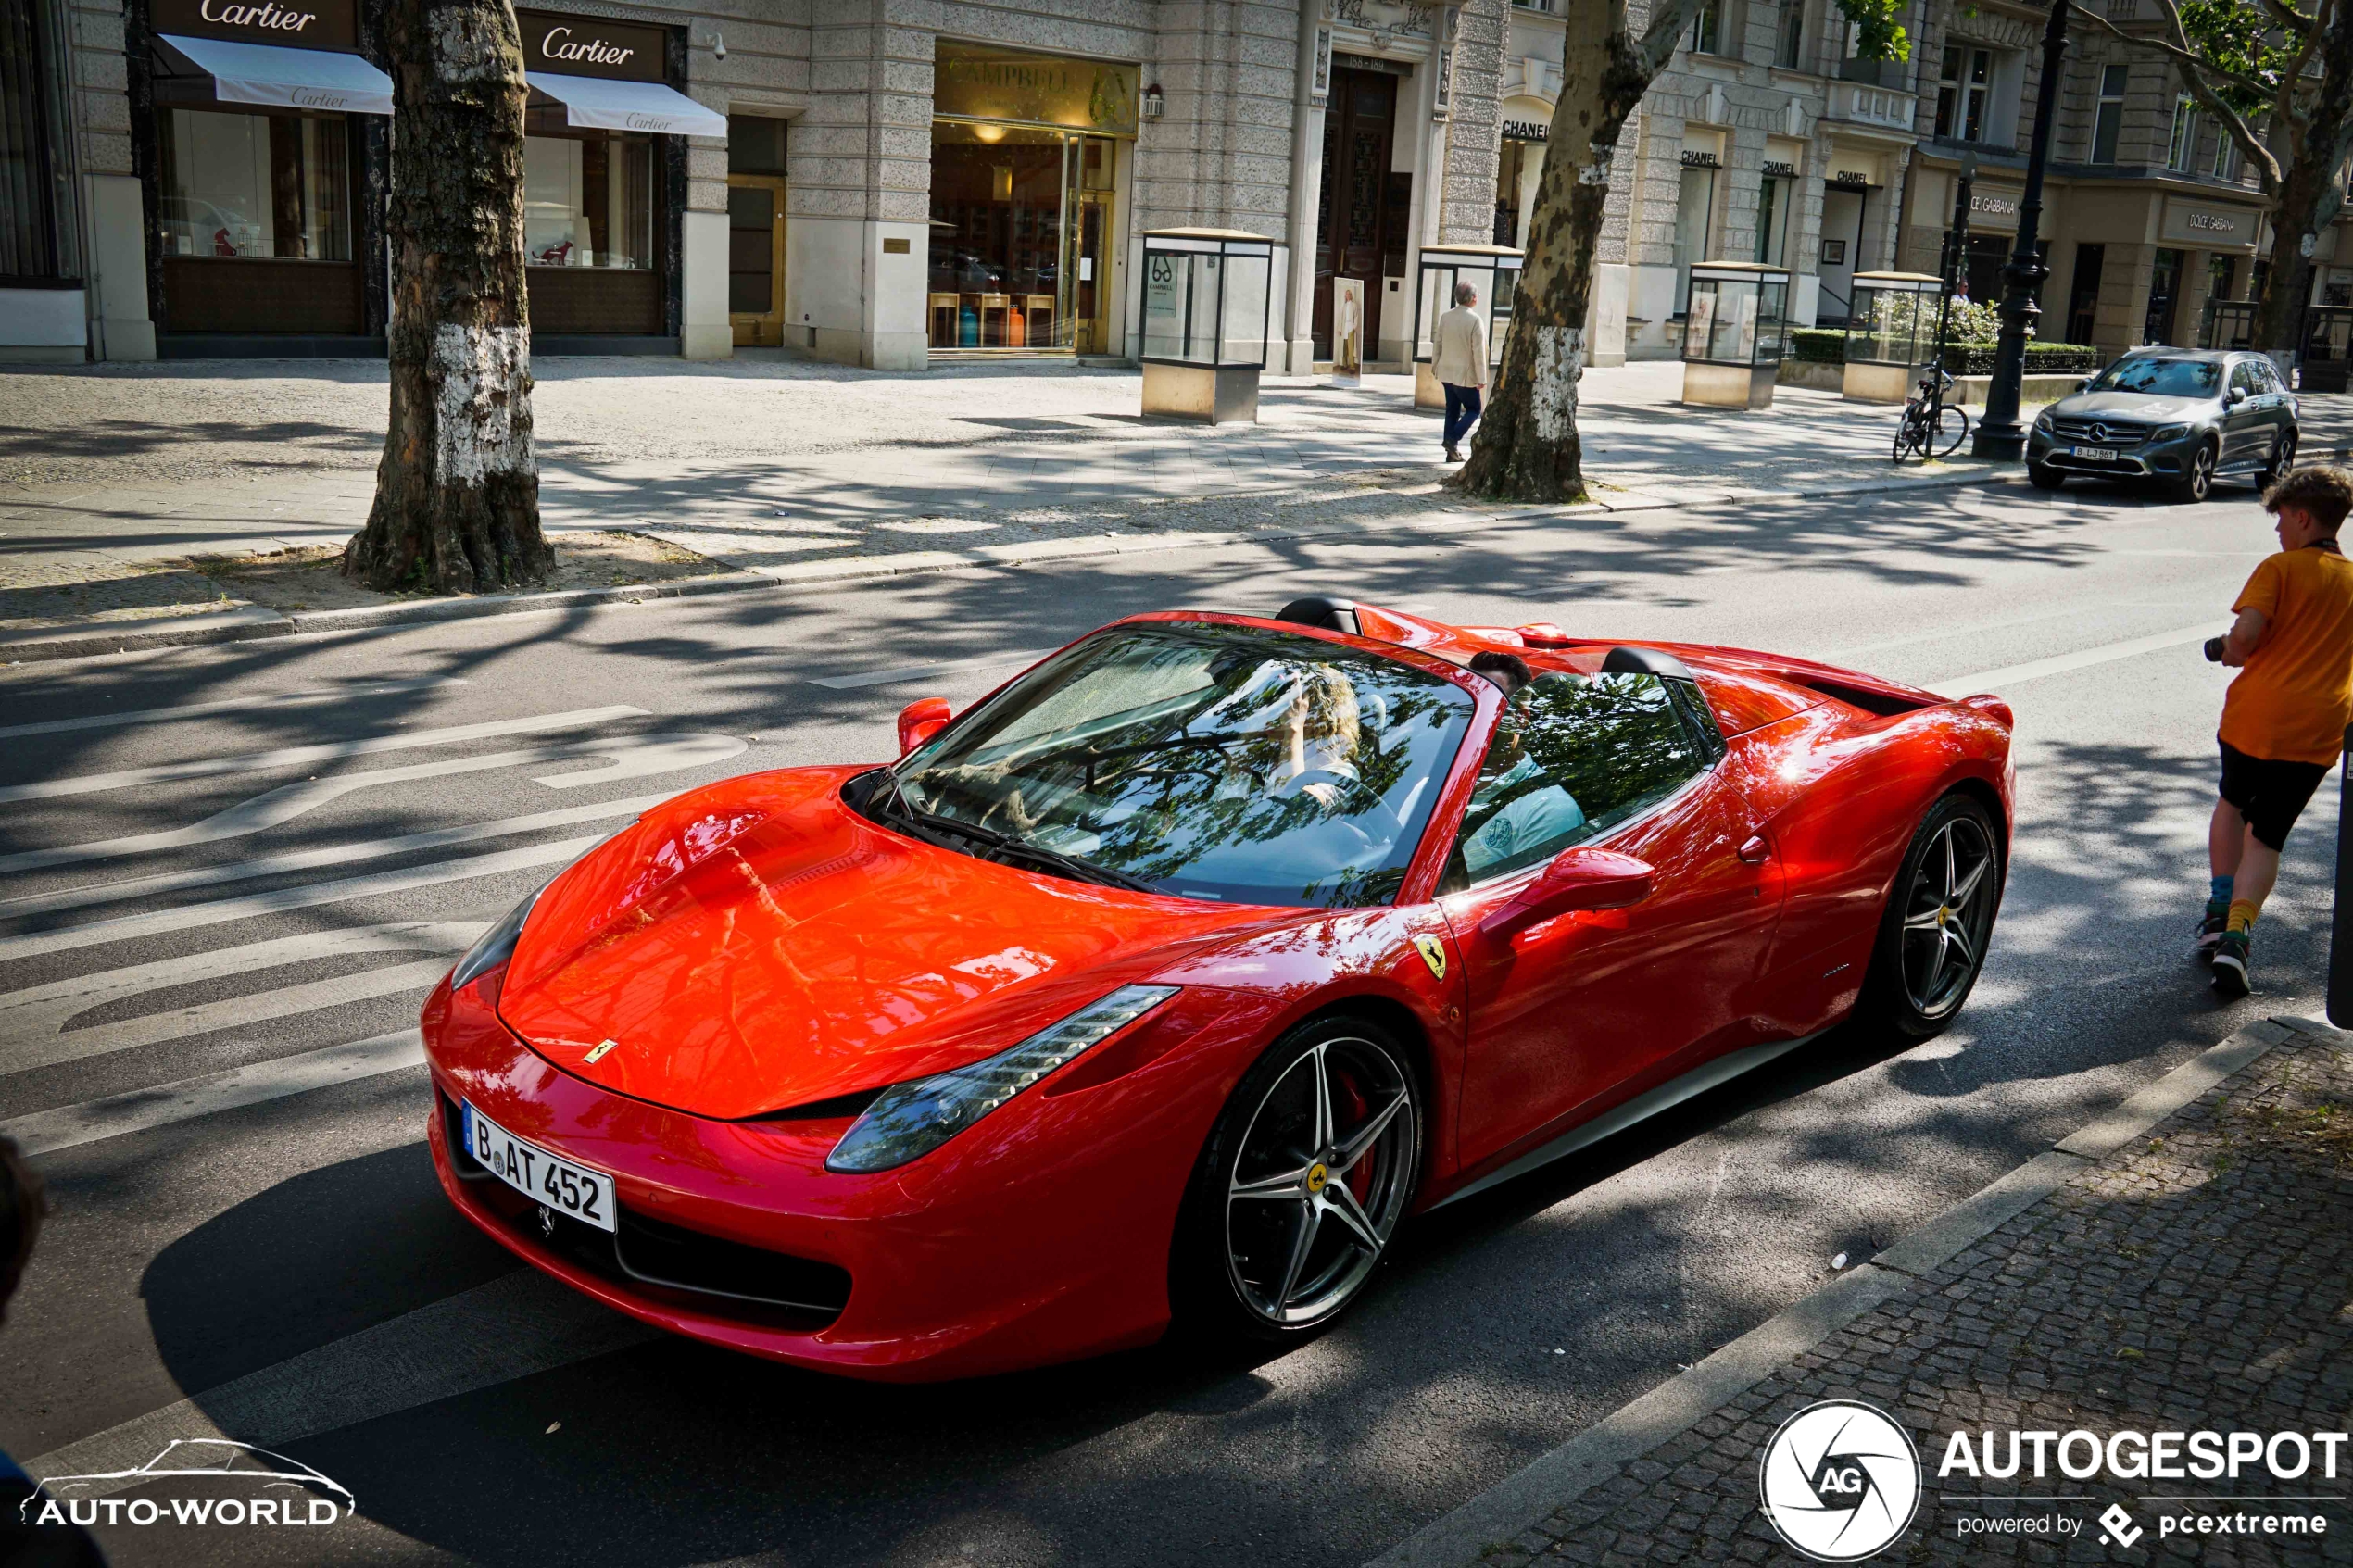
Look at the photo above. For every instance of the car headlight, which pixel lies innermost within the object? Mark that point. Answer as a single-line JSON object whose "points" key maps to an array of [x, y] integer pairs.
{"points": [[2171, 433], [497, 945], [2042, 421], [908, 1120]]}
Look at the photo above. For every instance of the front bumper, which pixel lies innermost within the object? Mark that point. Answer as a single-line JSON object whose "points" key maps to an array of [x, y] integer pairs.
{"points": [[2149, 459], [1041, 1234]]}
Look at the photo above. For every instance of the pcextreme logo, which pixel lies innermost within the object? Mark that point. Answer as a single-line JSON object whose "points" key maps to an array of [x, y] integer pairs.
{"points": [[1840, 1481]]}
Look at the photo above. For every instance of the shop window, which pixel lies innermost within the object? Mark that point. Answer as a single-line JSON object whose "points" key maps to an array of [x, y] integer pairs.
{"points": [[1510, 169], [1964, 92], [2222, 275], [1789, 34], [588, 201], [2165, 286], [1694, 216], [2107, 118], [1772, 220], [2083, 293], [256, 185], [2181, 147], [28, 221], [755, 145]]}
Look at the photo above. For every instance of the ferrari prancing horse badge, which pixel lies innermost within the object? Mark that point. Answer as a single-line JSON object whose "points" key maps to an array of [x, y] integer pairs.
{"points": [[1433, 954]]}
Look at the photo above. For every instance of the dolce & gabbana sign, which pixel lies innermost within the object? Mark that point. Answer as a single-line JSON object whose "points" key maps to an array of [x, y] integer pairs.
{"points": [[290, 24], [2209, 227], [573, 45]]}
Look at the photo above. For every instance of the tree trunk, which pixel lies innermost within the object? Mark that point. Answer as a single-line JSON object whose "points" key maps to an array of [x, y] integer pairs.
{"points": [[456, 506], [1526, 447], [2311, 191]]}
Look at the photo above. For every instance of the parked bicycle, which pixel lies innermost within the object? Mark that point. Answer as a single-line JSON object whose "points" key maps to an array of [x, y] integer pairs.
{"points": [[1931, 427]]}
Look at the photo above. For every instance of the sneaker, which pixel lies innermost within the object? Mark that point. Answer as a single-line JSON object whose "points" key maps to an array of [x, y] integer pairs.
{"points": [[2230, 974], [1452, 456], [2210, 931]]}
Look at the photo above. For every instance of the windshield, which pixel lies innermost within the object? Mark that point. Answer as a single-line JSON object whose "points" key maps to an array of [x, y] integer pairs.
{"points": [[2161, 378], [1213, 761]]}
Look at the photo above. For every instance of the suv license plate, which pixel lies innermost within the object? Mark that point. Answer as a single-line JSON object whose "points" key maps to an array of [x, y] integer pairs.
{"points": [[2097, 453], [585, 1194]]}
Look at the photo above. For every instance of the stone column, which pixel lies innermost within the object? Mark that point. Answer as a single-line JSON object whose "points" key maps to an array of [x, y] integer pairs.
{"points": [[859, 166]]}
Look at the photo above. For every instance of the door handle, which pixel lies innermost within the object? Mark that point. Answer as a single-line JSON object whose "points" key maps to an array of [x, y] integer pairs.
{"points": [[1755, 852]]}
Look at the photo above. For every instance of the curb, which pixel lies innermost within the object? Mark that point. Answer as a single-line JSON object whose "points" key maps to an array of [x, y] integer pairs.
{"points": [[1557, 1479], [90, 639]]}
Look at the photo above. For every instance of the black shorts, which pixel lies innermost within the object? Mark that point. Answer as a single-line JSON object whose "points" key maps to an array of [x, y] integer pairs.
{"points": [[2269, 794]]}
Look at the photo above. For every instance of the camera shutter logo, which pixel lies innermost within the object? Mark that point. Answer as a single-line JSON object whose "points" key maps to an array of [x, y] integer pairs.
{"points": [[1840, 1481]]}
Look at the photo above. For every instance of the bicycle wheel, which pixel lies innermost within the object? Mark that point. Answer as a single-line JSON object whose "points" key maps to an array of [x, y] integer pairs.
{"points": [[1906, 438], [1952, 429]]}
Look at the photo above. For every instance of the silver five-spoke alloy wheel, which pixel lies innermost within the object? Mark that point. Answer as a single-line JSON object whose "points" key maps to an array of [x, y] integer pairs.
{"points": [[1322, 1176], [1948, 914]]}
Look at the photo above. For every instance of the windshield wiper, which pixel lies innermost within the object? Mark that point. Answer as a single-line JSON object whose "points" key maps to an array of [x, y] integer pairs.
{"points": [[896, 803]]}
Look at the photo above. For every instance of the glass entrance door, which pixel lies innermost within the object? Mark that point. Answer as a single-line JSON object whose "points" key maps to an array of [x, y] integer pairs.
{"points": [[756, 260]]}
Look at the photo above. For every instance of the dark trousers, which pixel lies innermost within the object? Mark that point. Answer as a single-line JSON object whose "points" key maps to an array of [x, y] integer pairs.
{"points": [[1462, 411]]}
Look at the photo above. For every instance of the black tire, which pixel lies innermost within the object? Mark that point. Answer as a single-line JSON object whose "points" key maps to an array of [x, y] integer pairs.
{"points": [[1258, 1181], [2198, 477], [1905, 433], [1932, 946], [1952, 429], [2282, 460], [2044, 477]]}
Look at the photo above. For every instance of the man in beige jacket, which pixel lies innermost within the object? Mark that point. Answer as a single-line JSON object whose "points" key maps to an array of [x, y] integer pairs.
{"points": [[1458, 358]]}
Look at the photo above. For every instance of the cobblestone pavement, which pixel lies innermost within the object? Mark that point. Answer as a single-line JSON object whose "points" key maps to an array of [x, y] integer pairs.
{"points": [[2198, 1278]]}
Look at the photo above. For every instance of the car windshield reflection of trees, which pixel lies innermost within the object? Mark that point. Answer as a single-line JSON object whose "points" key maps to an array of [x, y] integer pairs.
{"points": [[2161, 378], [1572, 756], [1213, 761]]}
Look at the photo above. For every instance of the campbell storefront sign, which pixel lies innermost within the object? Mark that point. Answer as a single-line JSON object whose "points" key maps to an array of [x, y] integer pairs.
{"points": [[568, 46], [307, 24], [975, 82]]}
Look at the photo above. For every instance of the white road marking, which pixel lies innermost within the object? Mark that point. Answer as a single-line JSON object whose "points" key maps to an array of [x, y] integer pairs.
{"points": [[311, 860], [514, 1326], [2108, 653], [920, 671], [630, 759], [139, 1110], [303, 756], [34, 1022], [228, 705], [122, 928]]}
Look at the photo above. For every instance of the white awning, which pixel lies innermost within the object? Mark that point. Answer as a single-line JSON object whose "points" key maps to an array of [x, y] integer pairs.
{"points": [[629, 106], [299, 79]]}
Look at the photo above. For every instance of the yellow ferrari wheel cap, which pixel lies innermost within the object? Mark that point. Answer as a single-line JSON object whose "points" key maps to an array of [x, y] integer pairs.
{"points": [[1317, 1175]]}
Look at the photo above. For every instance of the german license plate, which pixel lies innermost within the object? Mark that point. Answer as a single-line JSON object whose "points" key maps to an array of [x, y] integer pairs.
{"points": [[575, 1191], [2097, 453]]}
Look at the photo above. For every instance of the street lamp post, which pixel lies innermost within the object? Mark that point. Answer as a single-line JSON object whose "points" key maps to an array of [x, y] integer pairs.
{"points": [[1999, 435]]}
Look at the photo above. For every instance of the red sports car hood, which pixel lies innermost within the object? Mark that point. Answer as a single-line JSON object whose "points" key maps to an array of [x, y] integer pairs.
{"points": [[757, 945]]}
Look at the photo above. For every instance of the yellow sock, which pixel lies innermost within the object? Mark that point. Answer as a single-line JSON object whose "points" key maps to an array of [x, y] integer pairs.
{"points": [[2242, 912]]}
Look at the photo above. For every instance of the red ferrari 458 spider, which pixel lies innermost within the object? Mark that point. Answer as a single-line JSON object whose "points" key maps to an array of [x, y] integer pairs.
{"points": [[1164, 983]]}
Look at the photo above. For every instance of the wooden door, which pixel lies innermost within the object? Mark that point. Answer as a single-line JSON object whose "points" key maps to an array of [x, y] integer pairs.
{"points": [[1355, 222], [756, 260]]}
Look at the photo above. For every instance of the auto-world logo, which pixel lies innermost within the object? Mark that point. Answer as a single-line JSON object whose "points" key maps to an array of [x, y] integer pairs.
{"points": [[223, 1483], [1840, 1481]]}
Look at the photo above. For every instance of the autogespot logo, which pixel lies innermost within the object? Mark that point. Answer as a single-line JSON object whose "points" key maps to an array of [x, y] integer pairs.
{"points": [[1840, 1481]]}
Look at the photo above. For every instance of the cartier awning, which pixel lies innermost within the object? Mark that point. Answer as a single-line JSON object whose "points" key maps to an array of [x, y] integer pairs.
{"points": [[299, 79], [629, 106]]}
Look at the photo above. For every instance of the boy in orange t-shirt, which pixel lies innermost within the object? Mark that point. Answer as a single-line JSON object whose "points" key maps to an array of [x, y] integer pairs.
{"points": [[2283, 719]]}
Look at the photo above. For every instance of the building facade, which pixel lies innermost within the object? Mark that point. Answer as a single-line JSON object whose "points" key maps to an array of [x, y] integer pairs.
{"points": [[887, 182], [877, 182]]}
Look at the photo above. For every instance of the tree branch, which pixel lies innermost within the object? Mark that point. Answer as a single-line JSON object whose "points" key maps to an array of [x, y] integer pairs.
{"points": [[2183, 52], [2291, 19], [2194, 69]]}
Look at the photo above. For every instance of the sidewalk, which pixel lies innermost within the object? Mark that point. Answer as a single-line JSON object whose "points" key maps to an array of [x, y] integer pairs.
{"points": [[799, 471], [2176, 1267]]}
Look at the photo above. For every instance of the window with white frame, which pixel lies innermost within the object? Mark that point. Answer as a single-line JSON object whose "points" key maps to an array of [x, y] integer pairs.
{"points": [[1963, 92], [1789, 35], [2182, 145], [1707, 29], [2226, 152], [2108, 120]]}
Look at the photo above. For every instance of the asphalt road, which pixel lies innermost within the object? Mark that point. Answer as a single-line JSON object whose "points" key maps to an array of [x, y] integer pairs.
{"points": [[224, 867]]}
